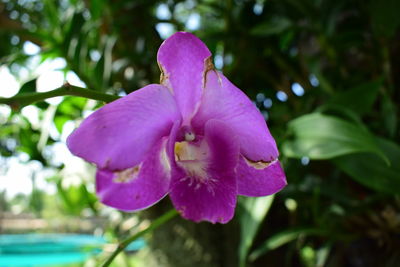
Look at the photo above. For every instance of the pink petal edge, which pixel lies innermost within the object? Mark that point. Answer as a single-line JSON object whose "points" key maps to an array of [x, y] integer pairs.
{"points": [[183, 60], [224, 101], [120, 134], [138, 187], [255, 181]]}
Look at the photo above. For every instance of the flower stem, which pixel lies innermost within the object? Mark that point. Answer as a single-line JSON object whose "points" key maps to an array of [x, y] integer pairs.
{"points": [[155, 224], [23, 100]]}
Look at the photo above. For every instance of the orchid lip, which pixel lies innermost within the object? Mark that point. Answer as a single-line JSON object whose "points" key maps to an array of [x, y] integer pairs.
{"points": [[192, 158]]}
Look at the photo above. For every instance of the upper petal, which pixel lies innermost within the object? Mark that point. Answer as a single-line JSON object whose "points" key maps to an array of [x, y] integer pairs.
{"points": [[224, 101], [138, 187], [183, 59], [208, 191], [120, 134], [257, 179]]}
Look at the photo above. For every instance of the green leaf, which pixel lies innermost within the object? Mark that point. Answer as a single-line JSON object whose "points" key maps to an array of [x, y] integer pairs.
{"points": [[359, 99], [52, 15], [59, 122], [389, 114], [385, 17], [96, 8], [320, 136], [253, 213], [65, 196], [72, 32], [71, 107], [28, 139], [28, 87], [276, 25], [103, 67], [75, 198], [373, 172], [342, 112], [283, 238], [88, 198]]}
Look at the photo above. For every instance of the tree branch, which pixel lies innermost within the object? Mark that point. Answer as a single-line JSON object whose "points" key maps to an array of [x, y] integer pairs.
{"points": [[23, 100]]}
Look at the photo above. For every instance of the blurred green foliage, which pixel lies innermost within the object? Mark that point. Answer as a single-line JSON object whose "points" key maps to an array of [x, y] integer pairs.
{"points": [[324, 73]]}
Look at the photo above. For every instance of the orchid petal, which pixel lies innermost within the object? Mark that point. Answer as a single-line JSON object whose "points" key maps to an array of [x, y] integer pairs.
{"points": [[138, 187], [257, 179], [211, 197], [183, 59], [120, 134], [224, 101]]}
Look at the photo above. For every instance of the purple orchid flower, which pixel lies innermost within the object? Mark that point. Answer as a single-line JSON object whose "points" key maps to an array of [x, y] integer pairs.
{"points": [[195, 136]]}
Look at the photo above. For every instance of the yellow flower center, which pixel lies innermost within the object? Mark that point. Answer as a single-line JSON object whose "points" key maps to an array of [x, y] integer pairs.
{"points": [[192, 158]]}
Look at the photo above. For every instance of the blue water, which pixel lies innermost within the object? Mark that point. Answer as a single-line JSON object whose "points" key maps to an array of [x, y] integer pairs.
{"points": [[47, 249], [34, 250]]}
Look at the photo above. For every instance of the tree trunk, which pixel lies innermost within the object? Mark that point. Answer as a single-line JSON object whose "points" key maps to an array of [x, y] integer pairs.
{"points": [[183, 243]]}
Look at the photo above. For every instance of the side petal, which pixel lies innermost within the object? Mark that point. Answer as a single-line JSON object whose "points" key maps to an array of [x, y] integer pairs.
{"points": [[224, 101], [257, 179], [120, 134], [138, 187], [208, 192], [183, 59]]}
